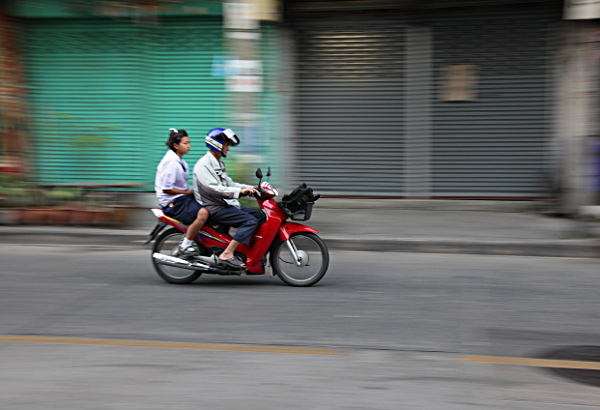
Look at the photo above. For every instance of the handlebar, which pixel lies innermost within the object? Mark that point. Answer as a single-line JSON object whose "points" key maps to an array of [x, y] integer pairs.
{"points": [[261, 192]]}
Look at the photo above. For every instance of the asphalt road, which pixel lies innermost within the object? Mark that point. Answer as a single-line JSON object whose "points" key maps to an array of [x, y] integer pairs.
{"points": [[96, 328]]}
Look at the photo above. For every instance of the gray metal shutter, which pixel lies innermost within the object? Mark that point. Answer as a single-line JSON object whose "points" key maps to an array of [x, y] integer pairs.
{"points": [[350, 106], [493, 146]]}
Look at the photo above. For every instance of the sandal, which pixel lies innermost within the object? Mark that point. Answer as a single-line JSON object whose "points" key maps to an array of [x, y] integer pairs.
{"points": [[233, 262]]}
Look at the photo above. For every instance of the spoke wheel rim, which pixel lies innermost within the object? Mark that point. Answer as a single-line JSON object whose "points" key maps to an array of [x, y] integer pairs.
{"points": [[168, 247], [306, 271]]}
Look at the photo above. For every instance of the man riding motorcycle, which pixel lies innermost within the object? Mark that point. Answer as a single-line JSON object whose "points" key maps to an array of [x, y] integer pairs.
{"points": [[219, 193]]}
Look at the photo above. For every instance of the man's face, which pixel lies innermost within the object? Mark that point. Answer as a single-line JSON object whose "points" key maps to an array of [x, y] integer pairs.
{"points": [[225, 148]]}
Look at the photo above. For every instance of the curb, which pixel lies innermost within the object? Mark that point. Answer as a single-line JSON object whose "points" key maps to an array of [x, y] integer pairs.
{"points": [[551, 248], [98, 237]]}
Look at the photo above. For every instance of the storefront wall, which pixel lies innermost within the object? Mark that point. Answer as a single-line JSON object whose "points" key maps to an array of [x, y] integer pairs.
{"points": [[492, 103], [104, 94], [105, 91], [442, 104], [350, 106]]}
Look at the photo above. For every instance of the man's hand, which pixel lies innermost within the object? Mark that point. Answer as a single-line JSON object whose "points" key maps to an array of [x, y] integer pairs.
{"points": [[248, 191]]}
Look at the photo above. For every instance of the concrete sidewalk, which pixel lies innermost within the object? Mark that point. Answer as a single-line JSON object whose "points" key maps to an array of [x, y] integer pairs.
{"points": [[497, 228]]}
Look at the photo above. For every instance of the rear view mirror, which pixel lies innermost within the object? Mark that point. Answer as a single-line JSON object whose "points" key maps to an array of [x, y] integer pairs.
{"points": [[269, 171], [259, 173]]}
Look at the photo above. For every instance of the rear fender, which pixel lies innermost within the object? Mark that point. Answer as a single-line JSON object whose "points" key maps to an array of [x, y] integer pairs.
{"points": [[288, 228], [157, 229], [168, 220]]}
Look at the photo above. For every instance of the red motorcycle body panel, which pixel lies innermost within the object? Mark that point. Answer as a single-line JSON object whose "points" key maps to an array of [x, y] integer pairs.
{"points": [[288, 228]]}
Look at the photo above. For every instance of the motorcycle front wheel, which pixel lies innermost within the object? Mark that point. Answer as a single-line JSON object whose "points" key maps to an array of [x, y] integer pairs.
{"points": [[167, 243], [313, 264]]}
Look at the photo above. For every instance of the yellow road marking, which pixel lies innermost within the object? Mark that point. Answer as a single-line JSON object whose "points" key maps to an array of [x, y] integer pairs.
{"points": [[521, 361], [171, 345]]}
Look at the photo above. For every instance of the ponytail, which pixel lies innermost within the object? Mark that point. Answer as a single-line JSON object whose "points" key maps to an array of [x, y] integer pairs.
{"points": [[175, 137]]}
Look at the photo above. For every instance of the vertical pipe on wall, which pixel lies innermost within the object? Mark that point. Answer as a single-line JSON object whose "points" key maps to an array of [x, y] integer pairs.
{"points": [[287, 149], [576, 122]]}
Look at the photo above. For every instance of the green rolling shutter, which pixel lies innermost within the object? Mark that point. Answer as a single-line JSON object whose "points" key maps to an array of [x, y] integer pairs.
{"points": [[85, 95], [104, 93], [181, 87]]}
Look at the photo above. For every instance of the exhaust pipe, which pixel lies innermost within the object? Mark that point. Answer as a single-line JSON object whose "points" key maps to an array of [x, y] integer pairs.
{"points": [[162, 259], [176, 262]]}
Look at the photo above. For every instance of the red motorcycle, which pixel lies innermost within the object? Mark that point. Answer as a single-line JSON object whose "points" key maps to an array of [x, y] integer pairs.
{"points": [[294, 252]]}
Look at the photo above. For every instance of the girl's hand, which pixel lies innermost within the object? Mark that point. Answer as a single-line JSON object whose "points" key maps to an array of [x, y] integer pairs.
{"points": [[178, 191]]}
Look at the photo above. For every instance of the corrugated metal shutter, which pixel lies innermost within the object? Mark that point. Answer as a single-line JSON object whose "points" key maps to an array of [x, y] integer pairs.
{"points": [[86, 100], [104, 94], [350, 106], [357, 136], [183, 91], [494, 145]]}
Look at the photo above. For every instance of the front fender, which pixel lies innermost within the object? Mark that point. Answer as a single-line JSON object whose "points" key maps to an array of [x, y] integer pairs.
{"points": [[288, 228]]}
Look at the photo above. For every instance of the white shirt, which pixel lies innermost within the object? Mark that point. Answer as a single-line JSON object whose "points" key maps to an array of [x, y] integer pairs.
{"points": [[172, 173], [213, 188]]}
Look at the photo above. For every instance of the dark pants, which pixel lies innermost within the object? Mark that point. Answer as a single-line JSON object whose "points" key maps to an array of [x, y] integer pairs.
{"points": [[184, 208], [245, 219]]}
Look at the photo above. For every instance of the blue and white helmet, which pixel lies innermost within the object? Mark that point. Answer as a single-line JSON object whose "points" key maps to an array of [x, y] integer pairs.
{"points": [[218, 136]]}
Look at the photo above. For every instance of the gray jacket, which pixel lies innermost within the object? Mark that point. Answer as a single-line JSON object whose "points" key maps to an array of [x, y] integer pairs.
{"points": [[212, 186]]}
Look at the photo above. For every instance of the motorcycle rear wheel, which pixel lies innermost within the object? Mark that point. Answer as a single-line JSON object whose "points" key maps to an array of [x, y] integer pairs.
{"points": [[167, 243], [313, 266]]}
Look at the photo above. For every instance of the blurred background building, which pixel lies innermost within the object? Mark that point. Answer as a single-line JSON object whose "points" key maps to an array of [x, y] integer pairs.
{"points": [[486, 99]]}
